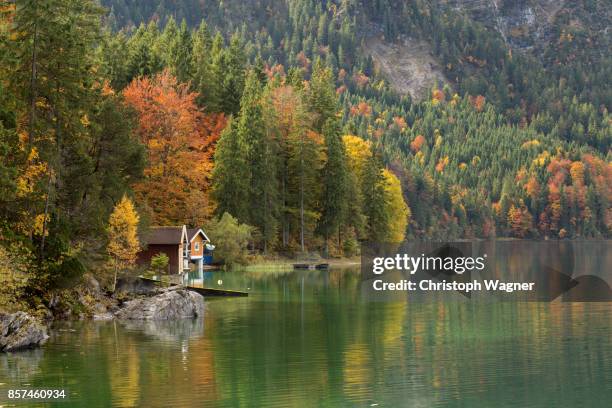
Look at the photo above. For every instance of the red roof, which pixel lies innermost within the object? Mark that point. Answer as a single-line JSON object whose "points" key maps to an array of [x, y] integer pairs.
{"points": [[164, 236]]}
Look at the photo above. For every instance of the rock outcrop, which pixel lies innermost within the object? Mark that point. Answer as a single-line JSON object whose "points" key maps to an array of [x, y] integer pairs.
{"points": [[170, 304], [528, 24], [408, 65], [20, 331]]}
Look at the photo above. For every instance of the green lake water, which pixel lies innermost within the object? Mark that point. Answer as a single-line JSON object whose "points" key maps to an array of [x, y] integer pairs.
{"points": [[311, 338]]}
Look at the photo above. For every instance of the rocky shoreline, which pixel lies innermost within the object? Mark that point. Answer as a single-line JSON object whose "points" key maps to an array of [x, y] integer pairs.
{"points": [[168, 304], [20, 330]]}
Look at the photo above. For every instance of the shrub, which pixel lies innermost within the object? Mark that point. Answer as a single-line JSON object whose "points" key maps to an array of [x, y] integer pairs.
{"points": [[231, 239]]}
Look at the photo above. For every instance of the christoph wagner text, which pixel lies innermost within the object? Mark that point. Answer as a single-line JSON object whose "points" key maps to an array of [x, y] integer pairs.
{"points": [[429, 285], [413, 264]]}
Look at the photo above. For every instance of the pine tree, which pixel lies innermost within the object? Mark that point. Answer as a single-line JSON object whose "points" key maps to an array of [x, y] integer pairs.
{"points": [[260, 154], [230, 175], [52, 76], [167, 42], [321, 97], [232, 70], [304, 163], [201, 61], [287, 121], [146, 58], [375, 200], [118, 160], [217, 73], [334, 177], [180, 53]]}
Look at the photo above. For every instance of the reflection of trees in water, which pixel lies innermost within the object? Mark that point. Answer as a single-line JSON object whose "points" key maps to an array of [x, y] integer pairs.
{"points": [[169, 332], [156, 363], [22, 365], [516, 258], [314, 341], [428, 353], [544, 262]]}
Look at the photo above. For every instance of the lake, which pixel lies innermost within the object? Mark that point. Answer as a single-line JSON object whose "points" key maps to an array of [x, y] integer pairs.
{"points": [[311, 338]]}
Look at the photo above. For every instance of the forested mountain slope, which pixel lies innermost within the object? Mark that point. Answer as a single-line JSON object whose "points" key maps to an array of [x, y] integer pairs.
{"points": [[286, 115], [526, 81], [295, 126]]}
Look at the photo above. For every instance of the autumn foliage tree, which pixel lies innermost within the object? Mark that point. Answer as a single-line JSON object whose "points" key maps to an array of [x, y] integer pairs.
{"points": [[519, 220], [179, 139], [396, 207], [123, 244]]}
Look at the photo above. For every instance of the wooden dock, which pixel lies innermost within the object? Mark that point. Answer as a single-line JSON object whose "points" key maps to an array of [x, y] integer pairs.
{"points": [[216, 292], [311, 266], [208, 292]]}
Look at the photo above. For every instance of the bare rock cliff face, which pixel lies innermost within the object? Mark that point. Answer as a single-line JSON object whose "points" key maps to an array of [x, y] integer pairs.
{"points": [[527, 24]]}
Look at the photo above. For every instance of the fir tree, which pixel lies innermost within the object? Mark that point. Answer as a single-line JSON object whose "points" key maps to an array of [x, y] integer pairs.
{"points": [[260, 161], [201, 60], [232, 73], [375, 200], [335, 179], [321, 96], [230, 175]]}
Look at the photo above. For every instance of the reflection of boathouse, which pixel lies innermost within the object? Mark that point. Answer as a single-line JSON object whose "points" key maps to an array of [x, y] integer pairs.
{"points": [[187, 248]]}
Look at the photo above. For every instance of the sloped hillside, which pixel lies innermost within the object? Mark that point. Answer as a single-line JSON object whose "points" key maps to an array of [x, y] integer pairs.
{"points": [[518, 144], [408, 65]]}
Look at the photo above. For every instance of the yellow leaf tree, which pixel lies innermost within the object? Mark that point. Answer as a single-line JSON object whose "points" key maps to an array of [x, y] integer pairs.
{"points": [[358, 152], [399, 212], [123, 242]]}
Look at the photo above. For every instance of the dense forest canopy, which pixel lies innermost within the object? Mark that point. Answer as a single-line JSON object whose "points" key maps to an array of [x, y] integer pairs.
{"points": [[467, 156], [274, 112]]}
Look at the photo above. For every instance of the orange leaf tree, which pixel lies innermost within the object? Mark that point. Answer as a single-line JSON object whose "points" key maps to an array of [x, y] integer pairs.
{"points": [[180, 140]]}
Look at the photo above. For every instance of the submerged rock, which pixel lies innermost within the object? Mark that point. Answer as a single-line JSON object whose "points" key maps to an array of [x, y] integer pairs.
{"points": [[103, 316], [20, 331], [169, 304]]}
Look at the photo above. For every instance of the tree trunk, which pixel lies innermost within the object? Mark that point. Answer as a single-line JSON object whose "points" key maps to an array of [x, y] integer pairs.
{"points": [[45, 215], [302, 194], [33, 79], [115, 277], [284, 215], [302, 211], [265, 221]]}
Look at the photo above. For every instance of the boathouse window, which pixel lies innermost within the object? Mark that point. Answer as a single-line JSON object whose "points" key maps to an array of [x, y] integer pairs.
{"points": [[197, 246]]}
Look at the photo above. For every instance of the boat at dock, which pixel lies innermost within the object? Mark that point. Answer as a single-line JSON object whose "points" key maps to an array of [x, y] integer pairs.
{"points": [[311, 266], [201, 290]]}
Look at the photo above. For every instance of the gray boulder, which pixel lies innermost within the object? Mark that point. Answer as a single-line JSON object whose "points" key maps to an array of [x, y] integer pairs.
{"points": [[20, 331], [170, 304]]}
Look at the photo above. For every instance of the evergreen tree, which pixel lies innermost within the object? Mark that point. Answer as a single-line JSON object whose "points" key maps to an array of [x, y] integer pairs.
{"points": [[335, 179], [51, 74], [260, 154], [201, 61], [232, 73], [375, 200], [230, 175], [180, 53], [304, 163], [217, 72], [321, 97]]}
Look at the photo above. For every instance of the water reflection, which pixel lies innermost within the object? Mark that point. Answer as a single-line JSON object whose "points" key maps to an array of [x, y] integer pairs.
{"points": [[310, 338], [167, 332]]}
